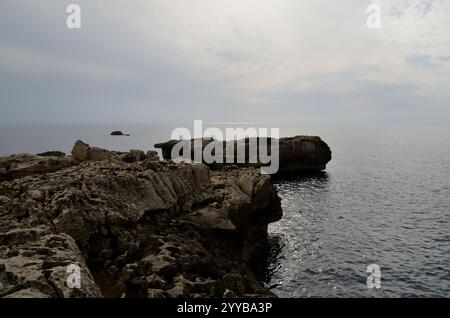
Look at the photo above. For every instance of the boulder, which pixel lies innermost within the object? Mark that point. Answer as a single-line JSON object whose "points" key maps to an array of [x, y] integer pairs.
{"points": [[83, 152], [80, 150], [303, 154]]}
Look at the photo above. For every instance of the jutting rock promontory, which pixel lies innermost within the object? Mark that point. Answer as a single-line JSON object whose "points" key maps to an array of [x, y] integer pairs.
{"points": [[135, 226], [298, 154]]}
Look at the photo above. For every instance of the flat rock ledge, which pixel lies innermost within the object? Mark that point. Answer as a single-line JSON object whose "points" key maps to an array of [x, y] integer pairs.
{"points": [[135, 226], [297, 155]]}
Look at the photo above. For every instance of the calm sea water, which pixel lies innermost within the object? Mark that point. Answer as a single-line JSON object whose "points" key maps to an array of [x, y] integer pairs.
{"points": [[385, 200]]}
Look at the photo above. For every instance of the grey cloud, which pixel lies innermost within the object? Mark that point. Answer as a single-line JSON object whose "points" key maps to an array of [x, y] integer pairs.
{"points": [[118, 68]]}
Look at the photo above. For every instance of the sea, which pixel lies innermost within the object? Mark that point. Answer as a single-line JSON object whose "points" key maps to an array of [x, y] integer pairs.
{"points": [[376, 223]]}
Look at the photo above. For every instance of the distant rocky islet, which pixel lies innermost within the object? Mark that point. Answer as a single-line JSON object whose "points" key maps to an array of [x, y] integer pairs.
{"points": [[118, 133]]}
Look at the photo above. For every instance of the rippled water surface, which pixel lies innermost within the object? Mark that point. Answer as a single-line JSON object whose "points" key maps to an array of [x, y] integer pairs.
{"points": [[385, 199]]}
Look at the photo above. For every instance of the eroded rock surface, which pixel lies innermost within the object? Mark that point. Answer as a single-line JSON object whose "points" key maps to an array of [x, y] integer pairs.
{"points": [[139, 229], [22, 165]]}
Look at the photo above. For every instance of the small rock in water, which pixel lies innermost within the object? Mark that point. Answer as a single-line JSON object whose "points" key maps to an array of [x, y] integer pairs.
{"points": [[118, 133]]}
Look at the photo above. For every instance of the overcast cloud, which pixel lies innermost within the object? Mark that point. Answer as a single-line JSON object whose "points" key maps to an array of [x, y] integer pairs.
{"points": [[225, 60]]}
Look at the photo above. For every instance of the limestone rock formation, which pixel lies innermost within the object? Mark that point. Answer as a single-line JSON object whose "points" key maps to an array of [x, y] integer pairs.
{"points": [[22, 165], [141, 229], [34, 263], [83, 152], [296, 154], [303, 153]]}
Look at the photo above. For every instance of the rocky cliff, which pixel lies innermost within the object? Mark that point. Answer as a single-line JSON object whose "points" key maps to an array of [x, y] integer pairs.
{"points": [[135, 226]]}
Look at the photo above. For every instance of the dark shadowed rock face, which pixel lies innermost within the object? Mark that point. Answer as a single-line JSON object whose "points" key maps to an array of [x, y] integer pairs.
{"points": [[52, 154], [141, 229], [296, 154], [303, 154], [166, 148]]}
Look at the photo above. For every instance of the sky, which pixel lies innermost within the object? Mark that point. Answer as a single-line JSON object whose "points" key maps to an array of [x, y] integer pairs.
{"points": [[225, 60]]}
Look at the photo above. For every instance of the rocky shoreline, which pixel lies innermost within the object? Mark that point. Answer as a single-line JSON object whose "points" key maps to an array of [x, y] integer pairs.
{"points": [[136, 226]]}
